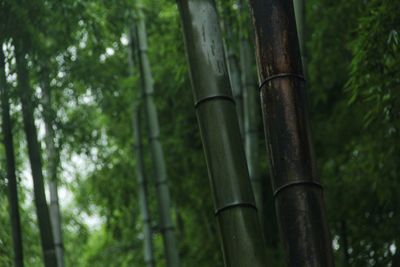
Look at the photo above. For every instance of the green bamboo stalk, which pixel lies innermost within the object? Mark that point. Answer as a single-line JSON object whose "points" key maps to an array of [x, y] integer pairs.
{"points": [[163, 194], [247, 61], [300, 12], [297, 192], [140, 172], [10, 158], [143, 197], [234, 77], [240, 231], [53, 159], [43, 216]]}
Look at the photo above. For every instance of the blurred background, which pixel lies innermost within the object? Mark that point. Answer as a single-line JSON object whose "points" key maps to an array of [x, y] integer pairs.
{"points": [[79, 51]]}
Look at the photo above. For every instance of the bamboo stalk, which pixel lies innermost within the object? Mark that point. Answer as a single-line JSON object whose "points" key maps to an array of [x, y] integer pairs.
{"points": [[10, 158], [143, 196], [300, 12], [247, 61], [140, 170], [297, 191], [234, 77], [240, 231], [43, 216], [163, 195], [53, 159]]}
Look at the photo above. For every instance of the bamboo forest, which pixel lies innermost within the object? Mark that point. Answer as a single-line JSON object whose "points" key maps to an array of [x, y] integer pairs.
{"points": [[200, 133]]}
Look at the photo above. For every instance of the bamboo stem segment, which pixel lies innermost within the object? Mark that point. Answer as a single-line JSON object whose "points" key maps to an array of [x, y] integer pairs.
{"points": [[298, 195], [240, 231], [53, 159], [148, 248], [43, 216], [143, 196], [11, 171], [163, 194]]}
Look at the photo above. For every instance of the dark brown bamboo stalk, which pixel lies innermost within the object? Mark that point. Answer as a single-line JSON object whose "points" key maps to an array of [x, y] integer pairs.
{"points": [[297, 190], [240, 231], [10, 158]]}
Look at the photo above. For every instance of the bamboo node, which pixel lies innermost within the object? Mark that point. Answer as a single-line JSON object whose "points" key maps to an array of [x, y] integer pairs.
{"points": [[235, 205], [281, 75], [213, 97], [295, 183]]}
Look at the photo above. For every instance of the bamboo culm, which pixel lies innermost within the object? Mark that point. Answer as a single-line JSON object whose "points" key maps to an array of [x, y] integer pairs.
{"points": [[163, 195], [239, 226], [143, 196], [53, 159], [234, 77], [297, 191], [43, 216], [300, 12], [11, 174], [140, 169], [247, 61]]}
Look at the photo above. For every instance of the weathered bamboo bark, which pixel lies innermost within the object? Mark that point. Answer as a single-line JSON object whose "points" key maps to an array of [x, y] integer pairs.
{"points": [[10, 158], [297, 191], [163, 194], [240, 231], [53, 159], [43, 216], [140, 171]]}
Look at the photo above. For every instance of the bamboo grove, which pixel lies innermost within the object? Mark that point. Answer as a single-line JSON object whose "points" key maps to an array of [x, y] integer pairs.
{"points": [[199, 133]]}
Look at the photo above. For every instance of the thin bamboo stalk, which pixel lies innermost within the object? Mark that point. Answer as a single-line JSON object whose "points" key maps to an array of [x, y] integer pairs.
{"points": [[235, 77], [143, 197], [300, 12], [43, 216], [53, 159], [140, 172], [163, 195], [10, 158], [247, 61]]}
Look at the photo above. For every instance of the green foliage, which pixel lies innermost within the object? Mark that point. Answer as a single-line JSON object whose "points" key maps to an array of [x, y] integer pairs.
{"points": [[353, 65], [354, 56]]}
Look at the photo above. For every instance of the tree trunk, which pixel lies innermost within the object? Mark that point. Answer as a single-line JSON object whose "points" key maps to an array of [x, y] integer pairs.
{"points": [[297, 191], [26, 97], [163, 194], [53, 159], [10, 158], [140, 172], [240, 231]]}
